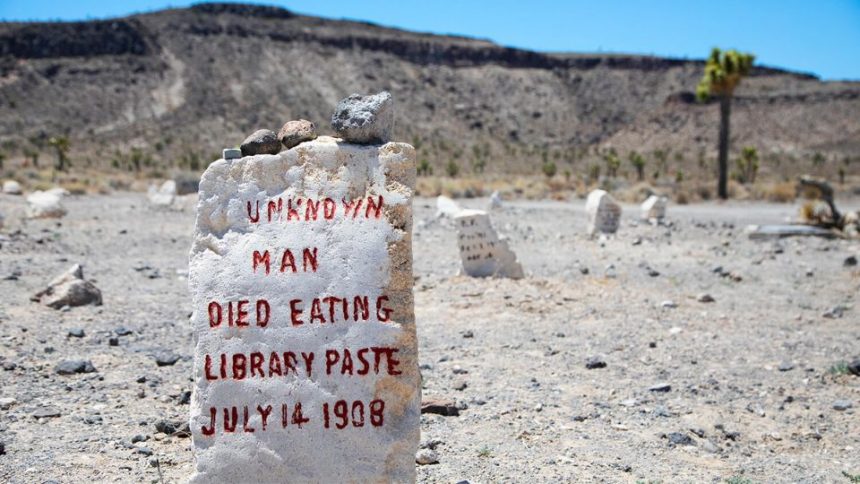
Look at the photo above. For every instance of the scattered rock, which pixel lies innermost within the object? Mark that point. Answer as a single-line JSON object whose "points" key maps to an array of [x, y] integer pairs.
{"points": [[144, 450], [2, 448], [850, 261], [69, 289], [166, 358], [426, 456], [668, 304], [594, 362], [295, 132], [76, 333], [705, 298], [446, 408], [678, 438], [835, 312], [138, 438], [495, 201], [45, 205], [660, 388], [179, 429], [70, 367], [854, 367], [46, 412], [11, 187], [786, 366], [841, 405], [231, 154], [7, 402], [711, 447], [364, 119], [460, 385], [261, 142]]}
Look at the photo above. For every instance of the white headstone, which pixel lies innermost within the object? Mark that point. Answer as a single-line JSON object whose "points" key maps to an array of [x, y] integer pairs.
{"points": [[45, 205], [495, 201], [654, 208], [11, 187], [445, 207], [482, 252], [603, 213], [306, 353], [163, 196]]}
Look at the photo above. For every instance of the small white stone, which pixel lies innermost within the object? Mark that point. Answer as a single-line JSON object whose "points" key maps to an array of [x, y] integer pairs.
{"points": [[426, 457], [11, 187], [7, 402], [45, 205]]}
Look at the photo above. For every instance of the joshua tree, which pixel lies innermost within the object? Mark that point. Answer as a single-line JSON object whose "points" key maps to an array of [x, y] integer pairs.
{"points": [[61, 144], [612, 163], [747, 164], [638, 162], [723, 73]]}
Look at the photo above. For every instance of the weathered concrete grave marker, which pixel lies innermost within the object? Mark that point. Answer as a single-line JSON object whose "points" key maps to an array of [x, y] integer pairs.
{"points": [[603, 212], [306, 352], [654, 208], [482, 252]]}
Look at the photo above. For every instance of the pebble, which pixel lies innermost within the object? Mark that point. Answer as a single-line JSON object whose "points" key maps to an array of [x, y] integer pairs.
{"points": [[786, 366], [709, 446], [138, 438], [166, 358], [660, 387], [594, 362], [841, 405], [705, 298], [70, 367], [76, 333], [854, 367], [835, 312], [446, 408], [668, 304], [678, 438], [426, 457], [261, 142], [295, 132], [460, 385], [122, 331], [2, 448], [7, 402], [364, 119], [46, 412], [144, 450], [850, 261]]}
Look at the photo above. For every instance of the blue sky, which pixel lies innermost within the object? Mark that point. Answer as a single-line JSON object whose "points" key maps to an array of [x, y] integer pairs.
{"points": [[821, 37]]}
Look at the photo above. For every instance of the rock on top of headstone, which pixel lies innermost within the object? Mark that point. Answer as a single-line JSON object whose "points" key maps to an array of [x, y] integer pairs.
{"points": [[295, 132], [11, 187], [45, 205], [317, 243], [261, 142], [603, 213], [654, 208], [445, 207], [483, 253], [365, 119]]}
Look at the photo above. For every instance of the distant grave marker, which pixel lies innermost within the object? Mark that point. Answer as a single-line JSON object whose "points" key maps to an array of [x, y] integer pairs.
{"points": [[482, 252], [654, 208], [604, 213], [306, 354]]}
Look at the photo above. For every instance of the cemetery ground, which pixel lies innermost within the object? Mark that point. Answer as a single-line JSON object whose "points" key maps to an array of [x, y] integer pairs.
{"points": [[686, 353]]}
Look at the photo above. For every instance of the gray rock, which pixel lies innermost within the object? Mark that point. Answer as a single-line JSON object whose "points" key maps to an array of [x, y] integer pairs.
{"points": [[144, 450], [841, 405], [166, 358], [46, 412], [595, 362], [261, 142], [786, 366], [677, 438], [2, 448], [660, 388], [668, 304], [442, 407], [426, 456], [705, 298], [76, 333], [709, 446], [854, 367], [365, 119], [69, 289], [850, 261], [231, 154], [295, 132], [70, 367], [138, 438]]}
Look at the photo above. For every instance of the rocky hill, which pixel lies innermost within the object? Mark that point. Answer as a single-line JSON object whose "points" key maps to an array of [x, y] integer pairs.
{"points": [[171, 88]]}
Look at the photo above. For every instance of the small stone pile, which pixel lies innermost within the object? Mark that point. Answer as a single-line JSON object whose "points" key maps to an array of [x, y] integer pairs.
{"points": [[357, 119]]}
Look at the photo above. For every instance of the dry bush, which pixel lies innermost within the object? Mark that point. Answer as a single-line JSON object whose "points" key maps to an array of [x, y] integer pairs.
{"points": [[783, 192], [682, 197]]}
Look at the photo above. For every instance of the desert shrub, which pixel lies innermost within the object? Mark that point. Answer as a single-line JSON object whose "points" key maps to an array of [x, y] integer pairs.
{"points": [[682, 197], [424, 168], [549, 169], [452, 169], [747, 165], [783, 192], [638, 162]]}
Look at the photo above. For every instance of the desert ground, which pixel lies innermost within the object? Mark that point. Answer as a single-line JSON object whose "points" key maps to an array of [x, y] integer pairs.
{"points": [[751, 387]]}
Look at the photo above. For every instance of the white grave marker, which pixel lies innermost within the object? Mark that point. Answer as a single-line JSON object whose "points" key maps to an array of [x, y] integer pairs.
{"points": [[306, 352], [482, 252], [603, 212], [654, 208]]}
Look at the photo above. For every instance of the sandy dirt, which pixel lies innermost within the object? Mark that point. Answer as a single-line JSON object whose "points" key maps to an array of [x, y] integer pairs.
{"points": [[750, 380]]}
